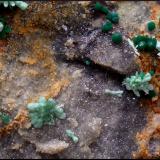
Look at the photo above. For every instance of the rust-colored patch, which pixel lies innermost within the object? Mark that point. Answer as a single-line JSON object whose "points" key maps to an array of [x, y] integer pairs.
{"points": [[56, 88], [155, 11], [53, 91], [20, 28], [28, 66], [147, 63], [18, 122]]}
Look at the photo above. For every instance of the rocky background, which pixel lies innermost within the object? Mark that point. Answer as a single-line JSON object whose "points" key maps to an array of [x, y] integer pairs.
{"points": [[57, 49]]}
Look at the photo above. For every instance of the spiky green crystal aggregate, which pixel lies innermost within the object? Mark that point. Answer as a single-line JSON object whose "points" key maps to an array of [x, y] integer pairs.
{"points": [[20, 4], [139, 82], [72, 135], [45, 112]]}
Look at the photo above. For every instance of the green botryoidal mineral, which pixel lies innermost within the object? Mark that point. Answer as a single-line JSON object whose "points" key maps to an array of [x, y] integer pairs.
{"points": [[20, 4], [72, 136], [139, 82], [107, 27], [99, 7], [137, 39], [145, 43], [117, 37], [45, 112], [151, 44], [5, 118], [104, 10], [142, 46], [4, 28], [113, 17], [151, 26]]}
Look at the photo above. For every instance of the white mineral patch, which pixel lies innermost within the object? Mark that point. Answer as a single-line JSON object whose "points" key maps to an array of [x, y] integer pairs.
{"points": [[1, 26], [52, 147]]}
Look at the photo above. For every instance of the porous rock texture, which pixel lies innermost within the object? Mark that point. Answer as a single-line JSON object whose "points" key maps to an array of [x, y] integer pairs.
{"points": [[44, 56]]}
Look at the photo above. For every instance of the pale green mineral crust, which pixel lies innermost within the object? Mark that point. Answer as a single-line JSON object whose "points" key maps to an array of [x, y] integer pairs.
{"points": [[45, 112], [114, 93], [72, 136], [139, 82], [20, 4]]}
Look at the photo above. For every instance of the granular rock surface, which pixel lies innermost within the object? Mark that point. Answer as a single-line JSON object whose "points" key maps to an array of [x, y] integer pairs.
{"points": [[46, 55]]}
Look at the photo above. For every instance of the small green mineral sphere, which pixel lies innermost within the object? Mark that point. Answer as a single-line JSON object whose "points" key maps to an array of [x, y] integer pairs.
{"points": [[151, 94], [138, 39], [152, 72], [117, 38], [115, 20], [151, 44], [151, 26], [87, 62], [109, 15], [113, 17], [107, 27], [104, 10], [98, 6], [142, 45], [114, 14]]}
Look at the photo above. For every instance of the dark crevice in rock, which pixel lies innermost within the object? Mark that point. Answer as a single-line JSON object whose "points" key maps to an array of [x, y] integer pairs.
{"points": [[92, 66], [97, 47]]}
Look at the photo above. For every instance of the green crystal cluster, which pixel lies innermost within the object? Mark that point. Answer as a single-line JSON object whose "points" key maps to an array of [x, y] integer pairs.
{"points": [[145, 43], [72, 136], [20, 4], [45, 112], [151, 26], [99, 7], [112, 17], [4, 28], [107, 26], [139, 82], [117, 37], [5, 118]]}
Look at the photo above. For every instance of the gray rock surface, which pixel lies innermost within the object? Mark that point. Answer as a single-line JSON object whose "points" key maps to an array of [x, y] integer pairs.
{"points": [[121, 117], [97, 46], [99, 49], [106, 125], [133, 15]]}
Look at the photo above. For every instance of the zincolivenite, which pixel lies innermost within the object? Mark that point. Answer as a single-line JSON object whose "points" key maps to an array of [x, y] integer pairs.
{"points": [[98, 6], [107, 27], [151, 26], [117, 37], [142, 45]]}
